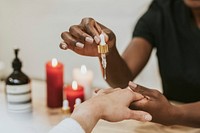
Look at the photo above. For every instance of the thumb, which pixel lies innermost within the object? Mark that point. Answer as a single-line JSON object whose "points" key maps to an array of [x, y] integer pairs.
{"points": [[140, 89], [139, 115]]}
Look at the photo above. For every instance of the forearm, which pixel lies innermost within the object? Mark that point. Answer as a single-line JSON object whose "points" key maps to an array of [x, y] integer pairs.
{"points": [[117, 72], [122, 69], [188, 115]]}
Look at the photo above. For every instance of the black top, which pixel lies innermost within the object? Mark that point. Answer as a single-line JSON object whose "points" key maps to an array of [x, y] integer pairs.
{"points": [[169, 26]]}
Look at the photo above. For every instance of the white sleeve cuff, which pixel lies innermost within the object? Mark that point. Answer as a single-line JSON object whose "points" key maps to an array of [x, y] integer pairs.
{"points": [[68, 125]]}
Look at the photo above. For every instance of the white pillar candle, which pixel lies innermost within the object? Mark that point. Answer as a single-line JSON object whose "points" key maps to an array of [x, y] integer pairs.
{"points": [[84, 77]]}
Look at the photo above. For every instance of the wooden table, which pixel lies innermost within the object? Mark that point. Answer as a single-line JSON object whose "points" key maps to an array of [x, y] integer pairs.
{"points": [[42, 119]]}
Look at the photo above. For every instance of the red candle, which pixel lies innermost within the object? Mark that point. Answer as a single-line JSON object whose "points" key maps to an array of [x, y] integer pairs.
{"points": [[73, 92], [54, 79]]}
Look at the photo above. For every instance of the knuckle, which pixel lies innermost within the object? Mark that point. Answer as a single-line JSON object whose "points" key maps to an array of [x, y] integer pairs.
{"points": [[88, 27], [86, 19], [156, 93], [72, 28]]}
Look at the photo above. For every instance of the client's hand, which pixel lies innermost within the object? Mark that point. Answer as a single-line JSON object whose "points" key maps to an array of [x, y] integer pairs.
{"points": [[111, 105]]}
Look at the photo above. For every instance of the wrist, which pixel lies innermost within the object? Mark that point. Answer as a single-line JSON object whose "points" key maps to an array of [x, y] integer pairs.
{"points": [[112, 51], [177, 114], [87, 115]]}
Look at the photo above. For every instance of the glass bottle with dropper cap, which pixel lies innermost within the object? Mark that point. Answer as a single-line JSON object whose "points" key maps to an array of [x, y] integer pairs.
{"points": [[103, 50], [18, 89]]}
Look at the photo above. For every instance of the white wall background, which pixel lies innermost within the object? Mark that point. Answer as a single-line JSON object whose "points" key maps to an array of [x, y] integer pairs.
{"points": [[35, 26]]}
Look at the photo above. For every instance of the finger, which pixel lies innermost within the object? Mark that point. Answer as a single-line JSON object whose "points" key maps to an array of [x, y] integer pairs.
{"points": [[132, 85], [139, 105], [107, 32], [69, 40], [139, 115], [91, 27], [63, 46], [80, 35], [140, 89], [102, 32], [135, 96], [98, 28], [92, 31]]}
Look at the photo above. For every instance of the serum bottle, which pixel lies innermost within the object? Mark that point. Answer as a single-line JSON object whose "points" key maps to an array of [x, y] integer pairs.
{"points": [[18, 88]]}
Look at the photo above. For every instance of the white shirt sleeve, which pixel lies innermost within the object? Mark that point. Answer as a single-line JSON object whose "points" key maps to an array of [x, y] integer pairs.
{"points": [[68, 125]]}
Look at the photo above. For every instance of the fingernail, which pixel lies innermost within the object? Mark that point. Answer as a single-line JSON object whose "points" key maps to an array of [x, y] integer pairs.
{"points": [[148, 117], [80, 45], [97, 39], [132, 84], [89, 39], [63, 45]]}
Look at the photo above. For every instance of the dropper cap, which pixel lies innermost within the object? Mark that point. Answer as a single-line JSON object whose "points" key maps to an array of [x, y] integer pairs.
{"points": [[16, 64]]}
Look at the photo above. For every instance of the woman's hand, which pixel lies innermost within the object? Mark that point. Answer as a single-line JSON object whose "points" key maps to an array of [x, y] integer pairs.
{"points": [[154, 103], [84, 38]]}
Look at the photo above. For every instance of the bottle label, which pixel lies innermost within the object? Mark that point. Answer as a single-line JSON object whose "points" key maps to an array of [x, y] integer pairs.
{"points": [[18, 89], [19, 98]]}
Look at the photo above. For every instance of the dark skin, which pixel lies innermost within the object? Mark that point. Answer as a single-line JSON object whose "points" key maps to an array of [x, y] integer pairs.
{"points": [[163, 111], [194, 5], [139, 49]]}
